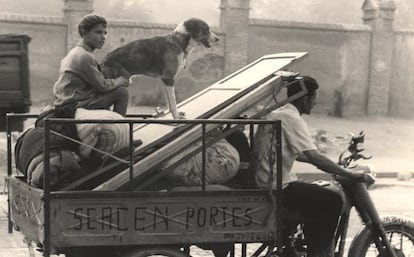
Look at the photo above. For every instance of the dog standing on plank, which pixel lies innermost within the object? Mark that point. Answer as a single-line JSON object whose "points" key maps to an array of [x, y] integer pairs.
{"points": [[160, 56]]}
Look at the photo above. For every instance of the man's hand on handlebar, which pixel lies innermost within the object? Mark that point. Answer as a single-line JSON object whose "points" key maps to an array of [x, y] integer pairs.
{"points": [[363, 176]]}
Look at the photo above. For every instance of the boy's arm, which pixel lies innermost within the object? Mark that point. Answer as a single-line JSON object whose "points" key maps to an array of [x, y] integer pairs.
{"points": [[94, 77]]}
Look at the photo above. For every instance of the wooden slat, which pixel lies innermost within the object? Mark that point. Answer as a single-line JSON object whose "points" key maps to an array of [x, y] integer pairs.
{"points": [[224, 99], [214, 98], [183, 141]]}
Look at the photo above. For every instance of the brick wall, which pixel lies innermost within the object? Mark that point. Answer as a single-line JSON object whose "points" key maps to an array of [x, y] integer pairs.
{"points": [[401, 90], [338, 58], [362, 68], [46, 49], [50, 43]]}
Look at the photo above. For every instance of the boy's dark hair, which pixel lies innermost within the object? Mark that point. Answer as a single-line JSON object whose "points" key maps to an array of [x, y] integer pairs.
{"points": [[89, 21], [310, 83]]}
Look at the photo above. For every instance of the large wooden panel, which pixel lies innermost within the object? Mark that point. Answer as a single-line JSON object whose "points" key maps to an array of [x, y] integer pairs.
{"points": [[221, 94], [225, 99]]}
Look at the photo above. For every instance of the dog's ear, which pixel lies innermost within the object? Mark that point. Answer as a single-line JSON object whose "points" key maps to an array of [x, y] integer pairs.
{"points": [[196, 27], [190, 27]]}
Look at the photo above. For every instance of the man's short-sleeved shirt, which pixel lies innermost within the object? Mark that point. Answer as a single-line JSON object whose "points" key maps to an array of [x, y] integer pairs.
{"points": [[295, 140]]}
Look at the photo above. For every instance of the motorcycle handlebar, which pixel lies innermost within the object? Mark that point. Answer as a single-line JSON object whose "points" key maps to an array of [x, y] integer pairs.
{"points": [[358, 177], [367, 178]]}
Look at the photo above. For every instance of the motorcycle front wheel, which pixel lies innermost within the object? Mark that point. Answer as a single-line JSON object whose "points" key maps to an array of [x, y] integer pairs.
{"points": [[399, 232]]}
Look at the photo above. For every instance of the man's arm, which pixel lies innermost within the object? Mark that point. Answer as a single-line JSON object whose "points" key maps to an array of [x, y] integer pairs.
{"points": [[302, 158], [327, 165]]}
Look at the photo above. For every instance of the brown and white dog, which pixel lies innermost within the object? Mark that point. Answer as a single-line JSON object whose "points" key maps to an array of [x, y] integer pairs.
{"points": [[160, 56]]}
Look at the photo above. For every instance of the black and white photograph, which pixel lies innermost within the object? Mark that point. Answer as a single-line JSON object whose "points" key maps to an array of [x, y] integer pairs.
{"points": [[206, 128]]}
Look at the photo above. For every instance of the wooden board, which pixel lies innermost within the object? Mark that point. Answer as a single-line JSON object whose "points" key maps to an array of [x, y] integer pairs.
{"points": [[225, 99], [214, 98]]}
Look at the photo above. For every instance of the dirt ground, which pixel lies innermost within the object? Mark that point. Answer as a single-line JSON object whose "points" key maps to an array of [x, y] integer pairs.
{"points": [[390, 141]]}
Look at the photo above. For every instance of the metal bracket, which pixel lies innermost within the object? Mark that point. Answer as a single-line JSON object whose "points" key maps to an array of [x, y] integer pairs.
{"points": [[287, 75]]}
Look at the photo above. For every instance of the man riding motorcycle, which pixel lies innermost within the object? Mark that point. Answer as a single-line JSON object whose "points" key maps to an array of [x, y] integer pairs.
{"points": [[320, 207]]}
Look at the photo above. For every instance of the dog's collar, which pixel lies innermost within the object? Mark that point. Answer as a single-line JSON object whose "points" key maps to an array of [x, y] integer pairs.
{"points": [[175, 39]]}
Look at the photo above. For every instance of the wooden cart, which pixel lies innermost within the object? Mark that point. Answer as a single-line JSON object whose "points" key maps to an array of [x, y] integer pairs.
{"points": [[122, 216]]}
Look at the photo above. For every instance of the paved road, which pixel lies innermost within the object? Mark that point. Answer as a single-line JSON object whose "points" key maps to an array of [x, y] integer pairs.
{"points": [[391, 198]]}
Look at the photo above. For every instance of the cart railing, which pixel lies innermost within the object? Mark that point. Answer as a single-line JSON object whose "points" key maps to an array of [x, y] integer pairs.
{"points": [[235, 123]]}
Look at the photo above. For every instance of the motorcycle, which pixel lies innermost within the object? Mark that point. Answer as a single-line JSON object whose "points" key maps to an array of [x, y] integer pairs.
{"points": [[387, 237]]}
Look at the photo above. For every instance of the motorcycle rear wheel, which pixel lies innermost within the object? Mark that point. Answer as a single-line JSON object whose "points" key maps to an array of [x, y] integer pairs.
{"points": [[399, 232]]}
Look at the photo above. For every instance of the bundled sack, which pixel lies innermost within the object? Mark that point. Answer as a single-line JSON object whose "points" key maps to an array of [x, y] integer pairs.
{"points": [[30, 146], [31, 142], [66, 111], [30, 159], [222, 164], [64, 167], [106, 137], [69, 160], [101, 141]]}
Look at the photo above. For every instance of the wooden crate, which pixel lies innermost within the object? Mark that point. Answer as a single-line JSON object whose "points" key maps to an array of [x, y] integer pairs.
{"points": [[14, 77]]}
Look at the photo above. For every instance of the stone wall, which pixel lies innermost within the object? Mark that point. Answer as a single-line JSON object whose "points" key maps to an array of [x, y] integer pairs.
{"points": [[362, 68], [46, 49], [50, 43], [338, 58], [402, 75]]}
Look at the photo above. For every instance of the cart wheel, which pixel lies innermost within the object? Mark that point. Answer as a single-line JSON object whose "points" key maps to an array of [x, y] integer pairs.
{"points": [[156, 251]]}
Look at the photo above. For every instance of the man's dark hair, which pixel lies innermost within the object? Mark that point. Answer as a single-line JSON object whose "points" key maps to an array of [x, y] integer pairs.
{"points": [[310, 83], [89, 21]]}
